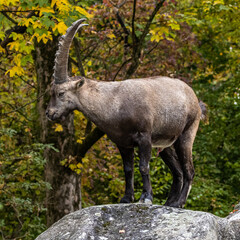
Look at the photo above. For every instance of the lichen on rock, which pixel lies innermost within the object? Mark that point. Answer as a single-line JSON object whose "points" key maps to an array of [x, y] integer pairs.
{"points": [[143, 221]]}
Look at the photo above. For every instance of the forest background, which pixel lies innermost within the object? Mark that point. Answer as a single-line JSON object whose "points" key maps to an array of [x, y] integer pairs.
{"points": [[49, 169]]}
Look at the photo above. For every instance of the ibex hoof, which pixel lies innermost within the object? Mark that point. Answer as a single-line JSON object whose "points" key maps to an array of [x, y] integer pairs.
{"points": [[146, 200], [174, 204], [127, 199]]}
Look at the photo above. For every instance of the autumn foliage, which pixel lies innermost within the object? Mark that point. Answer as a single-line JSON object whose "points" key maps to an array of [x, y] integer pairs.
{"points": [[196, 41]]}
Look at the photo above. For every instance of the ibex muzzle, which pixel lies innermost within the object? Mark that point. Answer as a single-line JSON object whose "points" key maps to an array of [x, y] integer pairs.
{"points": [[152, 112]]}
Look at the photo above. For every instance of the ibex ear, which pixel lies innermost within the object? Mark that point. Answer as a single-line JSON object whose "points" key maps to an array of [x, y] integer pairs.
{"points": [[80, 82]]}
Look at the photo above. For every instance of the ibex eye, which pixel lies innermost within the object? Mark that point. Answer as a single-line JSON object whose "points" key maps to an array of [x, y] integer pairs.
{"points": [[61, 94]]}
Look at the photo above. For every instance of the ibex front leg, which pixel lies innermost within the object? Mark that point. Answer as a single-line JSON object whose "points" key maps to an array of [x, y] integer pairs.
{"points": [[128, 160], [145, 149]]}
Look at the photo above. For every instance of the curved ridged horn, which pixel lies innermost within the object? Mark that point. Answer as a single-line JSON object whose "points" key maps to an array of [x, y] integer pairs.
{"points": [[61, 60]]}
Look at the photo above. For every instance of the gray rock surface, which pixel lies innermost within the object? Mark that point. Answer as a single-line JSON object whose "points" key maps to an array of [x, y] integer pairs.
{"points": [[142, 221]]}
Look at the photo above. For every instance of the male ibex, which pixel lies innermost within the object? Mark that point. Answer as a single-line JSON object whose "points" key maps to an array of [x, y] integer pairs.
{"points": [[152, 112]]}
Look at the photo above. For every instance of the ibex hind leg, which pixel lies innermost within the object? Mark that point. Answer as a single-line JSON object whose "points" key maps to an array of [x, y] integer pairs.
{"points": [[170, 158], [183, 148], [145, 151], [128, 163]]}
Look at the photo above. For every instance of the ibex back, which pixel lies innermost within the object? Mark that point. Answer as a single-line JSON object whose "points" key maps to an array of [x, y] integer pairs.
{"points": [[152, 112]]}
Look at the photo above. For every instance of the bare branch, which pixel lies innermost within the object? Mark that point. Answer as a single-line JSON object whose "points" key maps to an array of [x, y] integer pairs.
{"points": [[152, 48], [121, 22], [87, 143], [27, 82], [14, 11], [134, 37], [17, 109], [146, 29], [122, 3], [9, 18], [17, 29], [118, 5], [124, 63], [79, 61], [139, 45], [88, 128]]}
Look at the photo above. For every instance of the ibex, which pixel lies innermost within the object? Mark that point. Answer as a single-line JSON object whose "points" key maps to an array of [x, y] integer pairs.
{"points": [[158, 112]]}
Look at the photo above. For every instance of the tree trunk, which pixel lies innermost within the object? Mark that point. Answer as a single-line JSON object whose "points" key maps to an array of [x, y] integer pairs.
{"points": [[65, 193]]}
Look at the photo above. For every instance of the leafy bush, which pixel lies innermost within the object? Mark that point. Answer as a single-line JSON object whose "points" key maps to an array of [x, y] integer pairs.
{"points": [[22, 188]]}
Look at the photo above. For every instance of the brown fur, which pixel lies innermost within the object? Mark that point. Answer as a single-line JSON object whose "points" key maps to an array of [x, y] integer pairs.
{"points": [[151, 112]]}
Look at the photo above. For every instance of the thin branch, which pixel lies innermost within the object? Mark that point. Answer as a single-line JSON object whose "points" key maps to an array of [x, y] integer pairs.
{"points": [[13, 11], [2, 235], [134, 37], [73, 61], [9, 18], [88, 128], [87, 143], [118, 5], [17, 212], [152, 48], [139, 45], [17, 29], [122, 3], [121, 22], [4, 70], [17, 109], [91, 51], [81, 69], [27, 82], [146, 29], [123, 64], [79, 61]]}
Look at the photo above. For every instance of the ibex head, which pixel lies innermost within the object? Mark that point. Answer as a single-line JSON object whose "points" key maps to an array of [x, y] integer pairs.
{"points": [[63, 90]]}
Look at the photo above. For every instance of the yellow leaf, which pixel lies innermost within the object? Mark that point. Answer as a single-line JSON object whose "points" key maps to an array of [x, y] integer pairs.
{"points": [[45, 10], [53, 2], [61, 27], [78, 171], [64, 161], [2, 35], [17, 60], [16, 70], [37, 24], [85, 160], [218, 2], [44, 37], [62, 5], [26, 22], [111, 35], [14, 45], [9, 2], [27, 130], [79, 165], [79, 141], [83, 12], [2, 50], [72, 166], [58, 127], [170, 39]]}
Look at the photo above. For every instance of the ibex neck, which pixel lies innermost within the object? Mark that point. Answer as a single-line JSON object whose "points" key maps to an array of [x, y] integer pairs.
{"points": [[96, 100]]}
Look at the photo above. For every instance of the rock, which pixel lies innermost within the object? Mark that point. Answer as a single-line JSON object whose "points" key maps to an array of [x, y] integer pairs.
{"points": [[142, 221]]}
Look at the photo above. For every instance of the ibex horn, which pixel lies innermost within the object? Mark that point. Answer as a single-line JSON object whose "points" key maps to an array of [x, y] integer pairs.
{"points": [[61, 60]]}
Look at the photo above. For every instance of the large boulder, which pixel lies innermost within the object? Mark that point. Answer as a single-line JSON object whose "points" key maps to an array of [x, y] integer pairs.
{"points": [[142, 221]]}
